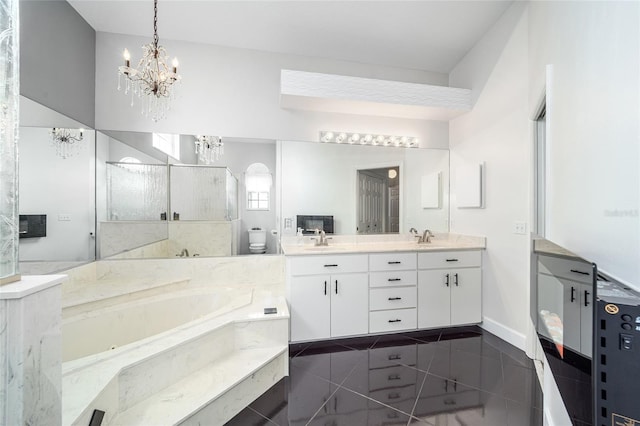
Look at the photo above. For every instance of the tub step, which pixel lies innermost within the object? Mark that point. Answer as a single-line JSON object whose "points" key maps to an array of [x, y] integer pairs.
{"points": [[213, 394]]}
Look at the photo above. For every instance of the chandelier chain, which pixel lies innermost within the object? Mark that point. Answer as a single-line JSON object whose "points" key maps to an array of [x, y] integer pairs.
{"points": [[156, 39]]}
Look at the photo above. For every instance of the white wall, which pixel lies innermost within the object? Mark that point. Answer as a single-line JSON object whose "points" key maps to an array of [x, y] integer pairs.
{"points": [[236, 92], [51, 185], [497, 132], [320, 179], [594, 140]]}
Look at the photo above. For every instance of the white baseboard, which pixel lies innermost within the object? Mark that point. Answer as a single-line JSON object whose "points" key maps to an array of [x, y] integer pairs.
{"points": [[507, 334]]}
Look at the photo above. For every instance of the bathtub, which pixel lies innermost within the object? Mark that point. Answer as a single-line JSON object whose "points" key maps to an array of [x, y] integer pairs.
{"points": [[117, 357], [111, 327]]}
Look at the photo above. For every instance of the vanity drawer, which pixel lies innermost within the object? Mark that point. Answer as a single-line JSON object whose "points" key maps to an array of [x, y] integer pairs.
{"points": [[392, 261], [564, 268], [449, 259], [328, 264], [392, 278], [397, 396], [392, 298], [393, 320], [392, 378], [386, 357]]}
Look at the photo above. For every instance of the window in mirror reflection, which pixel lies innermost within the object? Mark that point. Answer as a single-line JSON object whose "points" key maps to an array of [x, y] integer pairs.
{"points": [[258, 183], [167, 143]]}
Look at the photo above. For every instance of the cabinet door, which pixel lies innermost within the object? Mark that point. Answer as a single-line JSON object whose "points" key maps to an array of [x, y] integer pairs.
{"points": [[571, 315], [434, 304], [586, 319], [466, 296], [310, 308], [349, 304]]}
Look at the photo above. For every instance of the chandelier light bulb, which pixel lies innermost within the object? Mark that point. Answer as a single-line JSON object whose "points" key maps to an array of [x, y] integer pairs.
{"points": [[127, 56], [175, 64], [341, 137], [354, 138], [367, 139]]}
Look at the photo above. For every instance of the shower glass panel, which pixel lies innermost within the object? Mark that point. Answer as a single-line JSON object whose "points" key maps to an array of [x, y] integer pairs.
{"points": [[203, 193], [136, 191], [232, 196]]}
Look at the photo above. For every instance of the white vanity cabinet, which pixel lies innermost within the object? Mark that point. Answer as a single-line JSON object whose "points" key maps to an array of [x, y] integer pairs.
{"points": [[392, 292], [328, 296], [449, 288]]}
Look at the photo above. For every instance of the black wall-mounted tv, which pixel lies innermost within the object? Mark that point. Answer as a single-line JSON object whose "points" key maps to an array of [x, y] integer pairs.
{"points": [[33, 225]]}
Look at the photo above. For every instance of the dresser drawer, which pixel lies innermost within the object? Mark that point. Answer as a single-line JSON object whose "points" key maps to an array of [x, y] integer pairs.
{"points": [[392, 278], [449, 259], [393, 320], [386, 357], [392, 261], [392, 378], [564, 268], [392, 298], [328, 264]]}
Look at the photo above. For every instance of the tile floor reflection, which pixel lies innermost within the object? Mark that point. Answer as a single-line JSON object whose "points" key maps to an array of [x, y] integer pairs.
{"points": [[460, 376]]}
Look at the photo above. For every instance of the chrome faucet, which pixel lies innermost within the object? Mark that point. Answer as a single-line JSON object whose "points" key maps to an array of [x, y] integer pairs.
{"points": [[183, 253], [425, 238], [321, 238]]}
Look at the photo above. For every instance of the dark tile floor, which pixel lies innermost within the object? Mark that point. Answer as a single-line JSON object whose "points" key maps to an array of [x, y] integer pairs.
{"points": [[460, 376]]}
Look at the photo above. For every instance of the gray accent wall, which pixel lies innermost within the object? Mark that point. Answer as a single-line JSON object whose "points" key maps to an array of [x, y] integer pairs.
{"points": [[58, 59]]}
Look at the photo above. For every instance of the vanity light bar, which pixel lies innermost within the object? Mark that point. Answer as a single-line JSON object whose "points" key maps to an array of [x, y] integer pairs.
{"points": [[368, 139]]}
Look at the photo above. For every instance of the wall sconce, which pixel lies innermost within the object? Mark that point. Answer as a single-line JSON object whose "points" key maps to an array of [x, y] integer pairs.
{"points": [[66, 141], [369, 139]]}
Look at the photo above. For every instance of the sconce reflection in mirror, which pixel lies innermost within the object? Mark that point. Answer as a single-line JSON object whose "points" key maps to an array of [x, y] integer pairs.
{"points": [[209, 148], [66, 141]]}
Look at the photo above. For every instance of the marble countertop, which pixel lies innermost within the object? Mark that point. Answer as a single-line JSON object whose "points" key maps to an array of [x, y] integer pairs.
{"points": [[29, 284], [542, 246], [347, 244]]}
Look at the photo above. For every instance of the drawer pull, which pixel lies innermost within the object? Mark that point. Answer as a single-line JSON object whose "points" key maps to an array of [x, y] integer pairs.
{"points": [[394, 395], [394, 357], [331, 265], [394, 279], [447, 280], [575, 271], [392, 415], [455, 279], [573, 294], [586, 298], [394, 262], [395, 320], [325, 287], [395, 298], [452, 260], [394, 377], [336, 286]]}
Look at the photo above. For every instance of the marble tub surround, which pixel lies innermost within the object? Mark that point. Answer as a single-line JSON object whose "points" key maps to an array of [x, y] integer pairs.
{"points": [[381, 243], [30, 341], [119, 236], [202, 363], [110, 278]]}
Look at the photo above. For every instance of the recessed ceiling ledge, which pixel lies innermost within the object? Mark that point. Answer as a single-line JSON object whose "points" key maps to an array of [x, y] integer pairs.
{"points": [[366, 96]]}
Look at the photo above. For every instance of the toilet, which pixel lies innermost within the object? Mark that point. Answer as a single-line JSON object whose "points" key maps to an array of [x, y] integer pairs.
{"points": [[257, 241]]}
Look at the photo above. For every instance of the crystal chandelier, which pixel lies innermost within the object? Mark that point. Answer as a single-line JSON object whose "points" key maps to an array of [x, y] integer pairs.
{"points": [[66, 141], [209, 148], [152, 81]]}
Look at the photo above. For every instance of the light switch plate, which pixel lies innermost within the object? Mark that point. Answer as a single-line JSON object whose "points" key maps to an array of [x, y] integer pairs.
{"points": [[520, 228]]}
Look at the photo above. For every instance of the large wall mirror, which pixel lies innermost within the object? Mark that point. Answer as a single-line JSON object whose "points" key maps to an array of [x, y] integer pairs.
{"points": [[118, 196], [56, 191], [365, 189]]}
